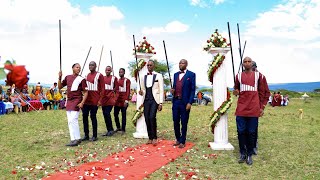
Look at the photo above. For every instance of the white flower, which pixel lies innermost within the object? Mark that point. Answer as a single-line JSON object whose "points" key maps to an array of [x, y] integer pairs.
{"points": [[144, 45], [144, 48], [219, 37], [121, 177], [215, 34]]}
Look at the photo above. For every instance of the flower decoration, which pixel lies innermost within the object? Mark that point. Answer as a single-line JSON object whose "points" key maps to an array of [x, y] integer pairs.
{"points": [[136, 69], [137, 115], [215, 117], [216, 40], [144, 47], [215, 64]]}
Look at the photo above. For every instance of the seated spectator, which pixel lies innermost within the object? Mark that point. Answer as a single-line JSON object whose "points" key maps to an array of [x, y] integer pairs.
{"points": [[285, 100], [57, 98], [16, 101], [2, 106], [45, 102]]}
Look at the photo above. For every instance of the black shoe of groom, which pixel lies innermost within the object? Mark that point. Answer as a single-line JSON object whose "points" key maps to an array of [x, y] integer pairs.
{"points": [[73, 143], [249, 160], [255, 151], [109, 133], [242, 158], [94, 139], [177, 143], [85, 138]]}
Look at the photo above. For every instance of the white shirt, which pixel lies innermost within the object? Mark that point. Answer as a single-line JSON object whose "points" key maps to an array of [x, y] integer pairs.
{"points": [[182, 74], [149, 80]]}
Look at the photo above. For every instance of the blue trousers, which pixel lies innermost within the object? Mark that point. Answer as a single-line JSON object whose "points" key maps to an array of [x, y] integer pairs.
{"points": [[247, 130], [2, 108], [180, 114]]}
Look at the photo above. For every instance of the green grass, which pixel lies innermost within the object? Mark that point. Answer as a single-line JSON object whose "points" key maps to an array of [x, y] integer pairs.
{"points": [[288, 146]]}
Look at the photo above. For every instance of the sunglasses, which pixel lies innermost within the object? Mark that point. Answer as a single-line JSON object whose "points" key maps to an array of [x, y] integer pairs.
{"points": [[149, 65]]}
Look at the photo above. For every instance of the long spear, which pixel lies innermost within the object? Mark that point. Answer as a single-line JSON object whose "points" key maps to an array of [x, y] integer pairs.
{"points": [[165, 51], [241, 55], [60, 43], [100, 58], [239, 47], [234, 76], [135, 54], [85, 61], [111, 62]]}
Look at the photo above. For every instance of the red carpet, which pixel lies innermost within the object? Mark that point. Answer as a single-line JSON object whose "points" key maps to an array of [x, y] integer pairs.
{"points": [[133, 163]]}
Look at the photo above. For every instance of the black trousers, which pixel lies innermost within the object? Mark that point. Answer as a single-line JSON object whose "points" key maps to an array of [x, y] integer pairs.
{"points": [[106, 110], [150, 113], [116, 111], [92, 109]]}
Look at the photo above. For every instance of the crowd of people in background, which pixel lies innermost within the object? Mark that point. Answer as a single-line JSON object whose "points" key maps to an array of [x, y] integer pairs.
{"points": [[24, 100], [277, 99]]}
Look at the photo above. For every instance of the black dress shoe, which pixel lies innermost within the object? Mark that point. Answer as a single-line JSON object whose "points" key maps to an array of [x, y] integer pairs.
{"points": [[255, 151], [242, 158], [109, 133], [249, 160], [94, 139], [177, 143], [86, 138], [181, 145], [73, 143]]}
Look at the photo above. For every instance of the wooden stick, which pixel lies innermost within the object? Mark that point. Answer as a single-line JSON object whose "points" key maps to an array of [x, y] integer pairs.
{"points": [[234, 76], [100, 58], [111, 62], [85, 61], [135, 54], [60, 44], [165, 51]]}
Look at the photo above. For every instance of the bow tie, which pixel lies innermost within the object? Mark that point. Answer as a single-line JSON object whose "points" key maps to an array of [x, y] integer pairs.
{"points": [[181, 72], [149, 73]]}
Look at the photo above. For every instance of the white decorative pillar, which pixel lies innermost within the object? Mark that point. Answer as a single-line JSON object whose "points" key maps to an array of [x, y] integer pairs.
{"points": [[219, 96], [141, 127]]}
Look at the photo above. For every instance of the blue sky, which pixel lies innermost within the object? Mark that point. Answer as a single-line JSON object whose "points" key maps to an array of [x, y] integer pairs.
{"points": [[281, 34]]}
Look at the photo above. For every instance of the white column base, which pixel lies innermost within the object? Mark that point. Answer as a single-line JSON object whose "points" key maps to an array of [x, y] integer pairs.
{"points": [[221, 146], [139, 135]]}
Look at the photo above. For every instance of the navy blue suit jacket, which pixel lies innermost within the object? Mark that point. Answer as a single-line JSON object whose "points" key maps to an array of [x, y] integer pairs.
{"points": [[188, 86]]}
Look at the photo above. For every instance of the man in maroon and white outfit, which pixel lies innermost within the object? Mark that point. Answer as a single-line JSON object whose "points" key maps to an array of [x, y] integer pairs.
{"points": [[77, 94], [95, 85], [254, 93], [109, 99], [122, 101]]}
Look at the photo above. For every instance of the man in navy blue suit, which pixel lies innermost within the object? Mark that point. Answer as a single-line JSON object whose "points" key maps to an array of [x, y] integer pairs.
{"points": [[184, 87]]}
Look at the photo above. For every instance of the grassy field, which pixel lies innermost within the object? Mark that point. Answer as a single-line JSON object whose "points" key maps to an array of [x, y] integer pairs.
{"points": [[33, 144]]}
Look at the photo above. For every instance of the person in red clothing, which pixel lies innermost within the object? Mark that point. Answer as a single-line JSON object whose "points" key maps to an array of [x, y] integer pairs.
{"points": [[95, 85], [253, 91], [109, 99], [122, 101], [77, 95]]}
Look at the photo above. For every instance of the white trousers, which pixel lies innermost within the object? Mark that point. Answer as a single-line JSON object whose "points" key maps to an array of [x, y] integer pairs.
{"points": [[73, 124]]}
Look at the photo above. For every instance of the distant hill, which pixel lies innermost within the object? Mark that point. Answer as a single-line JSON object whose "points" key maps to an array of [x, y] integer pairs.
{"points": [[298, 87]]}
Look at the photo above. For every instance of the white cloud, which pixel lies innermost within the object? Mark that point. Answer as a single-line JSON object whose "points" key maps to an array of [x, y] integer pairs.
{"points": [[205, 3], [285, 41], [171, 27], [218, 1], [29, 34]]}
